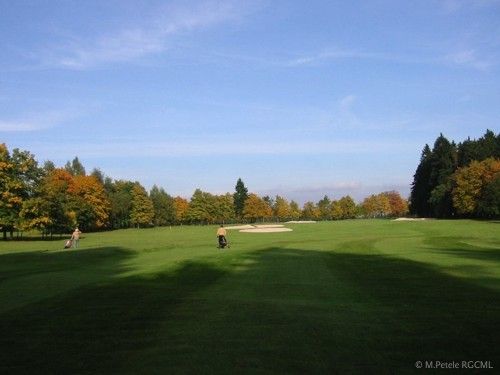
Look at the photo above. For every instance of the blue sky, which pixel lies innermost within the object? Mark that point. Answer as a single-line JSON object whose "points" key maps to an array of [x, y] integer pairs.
{"points": [[297, 98]]}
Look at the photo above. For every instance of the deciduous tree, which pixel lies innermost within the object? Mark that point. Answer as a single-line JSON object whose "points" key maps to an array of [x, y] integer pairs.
{"points": [[310, 211], [89, 202], [142, 210], [224, 208], [324, 207], [181, 207], [120, 197], [295, 211], [201, 208], [163, 206], [398, 205], [256, 209], [281, 209], [470, 186]]}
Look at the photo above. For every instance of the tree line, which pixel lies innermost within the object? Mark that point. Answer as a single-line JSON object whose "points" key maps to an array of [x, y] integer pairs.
{"points": [[458, 180], [53, 200]]}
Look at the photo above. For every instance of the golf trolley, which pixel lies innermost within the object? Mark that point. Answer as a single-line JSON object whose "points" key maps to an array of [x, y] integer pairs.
{"points": [[222, 242]]}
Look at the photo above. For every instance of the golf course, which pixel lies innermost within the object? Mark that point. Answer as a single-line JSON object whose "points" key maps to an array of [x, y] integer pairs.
{"points": [[335, 296]]}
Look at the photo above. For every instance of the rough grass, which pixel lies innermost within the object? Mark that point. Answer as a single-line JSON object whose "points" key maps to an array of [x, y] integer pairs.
{"points": [[328, 297]]}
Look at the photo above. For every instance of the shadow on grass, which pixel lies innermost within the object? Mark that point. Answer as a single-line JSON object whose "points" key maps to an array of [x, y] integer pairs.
{"points": [[20, 264], [94, 327], [276, 310], [454, 246]]}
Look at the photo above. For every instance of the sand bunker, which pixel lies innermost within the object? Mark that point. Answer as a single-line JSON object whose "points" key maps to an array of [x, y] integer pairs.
{"points": [[268, 225], [410, 219], [261, 228], [266, 230], [247, 226], [300, 222]]}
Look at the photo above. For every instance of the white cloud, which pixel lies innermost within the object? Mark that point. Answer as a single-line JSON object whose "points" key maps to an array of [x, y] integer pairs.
{"points": [[40, 121], [17, 126], [332, 54], [468, 58], [142, 40], [347, 102]]}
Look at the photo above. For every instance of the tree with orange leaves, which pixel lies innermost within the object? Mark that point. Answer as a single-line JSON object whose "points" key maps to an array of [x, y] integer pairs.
{"points": [[89, 202], [256, 208], [181, 207], [398, 205]]}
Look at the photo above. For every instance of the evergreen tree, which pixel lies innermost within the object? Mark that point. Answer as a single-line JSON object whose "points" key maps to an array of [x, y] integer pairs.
{"points": [[75, 168], [443, 162], [467, 151], [240, 196], [48, 166], [97, 173], [488, 146]]}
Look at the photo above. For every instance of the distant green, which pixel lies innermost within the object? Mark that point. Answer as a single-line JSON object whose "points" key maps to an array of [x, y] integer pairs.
{"points": [[346, 296]]}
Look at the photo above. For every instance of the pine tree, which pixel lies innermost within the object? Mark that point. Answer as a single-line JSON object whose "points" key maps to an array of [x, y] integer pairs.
{"points": [[240, 196], [75, 168], [443, 162], [421, 186]]}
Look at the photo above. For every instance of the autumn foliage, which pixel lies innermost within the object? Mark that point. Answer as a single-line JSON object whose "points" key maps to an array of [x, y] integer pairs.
{"points": [[55, 200]]}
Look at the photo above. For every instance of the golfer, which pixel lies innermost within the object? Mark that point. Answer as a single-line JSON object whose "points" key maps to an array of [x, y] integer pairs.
{"points": [[75, 237], [221, 235]]}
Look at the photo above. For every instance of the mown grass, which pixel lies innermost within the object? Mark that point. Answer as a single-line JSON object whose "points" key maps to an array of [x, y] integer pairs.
{"points": [[328, 297]]}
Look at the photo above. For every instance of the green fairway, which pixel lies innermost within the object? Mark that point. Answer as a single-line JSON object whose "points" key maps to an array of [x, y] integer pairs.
{"points": [[331, 296]]}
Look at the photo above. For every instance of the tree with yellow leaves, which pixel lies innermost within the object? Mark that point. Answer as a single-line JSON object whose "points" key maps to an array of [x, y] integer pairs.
{"points": [[142, 212], [471, 184], [256, 208], [181, 207], [282, 210]]}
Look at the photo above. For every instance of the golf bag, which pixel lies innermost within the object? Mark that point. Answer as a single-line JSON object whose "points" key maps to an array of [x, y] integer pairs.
{"points": [[68, 244], [222, 242]]}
